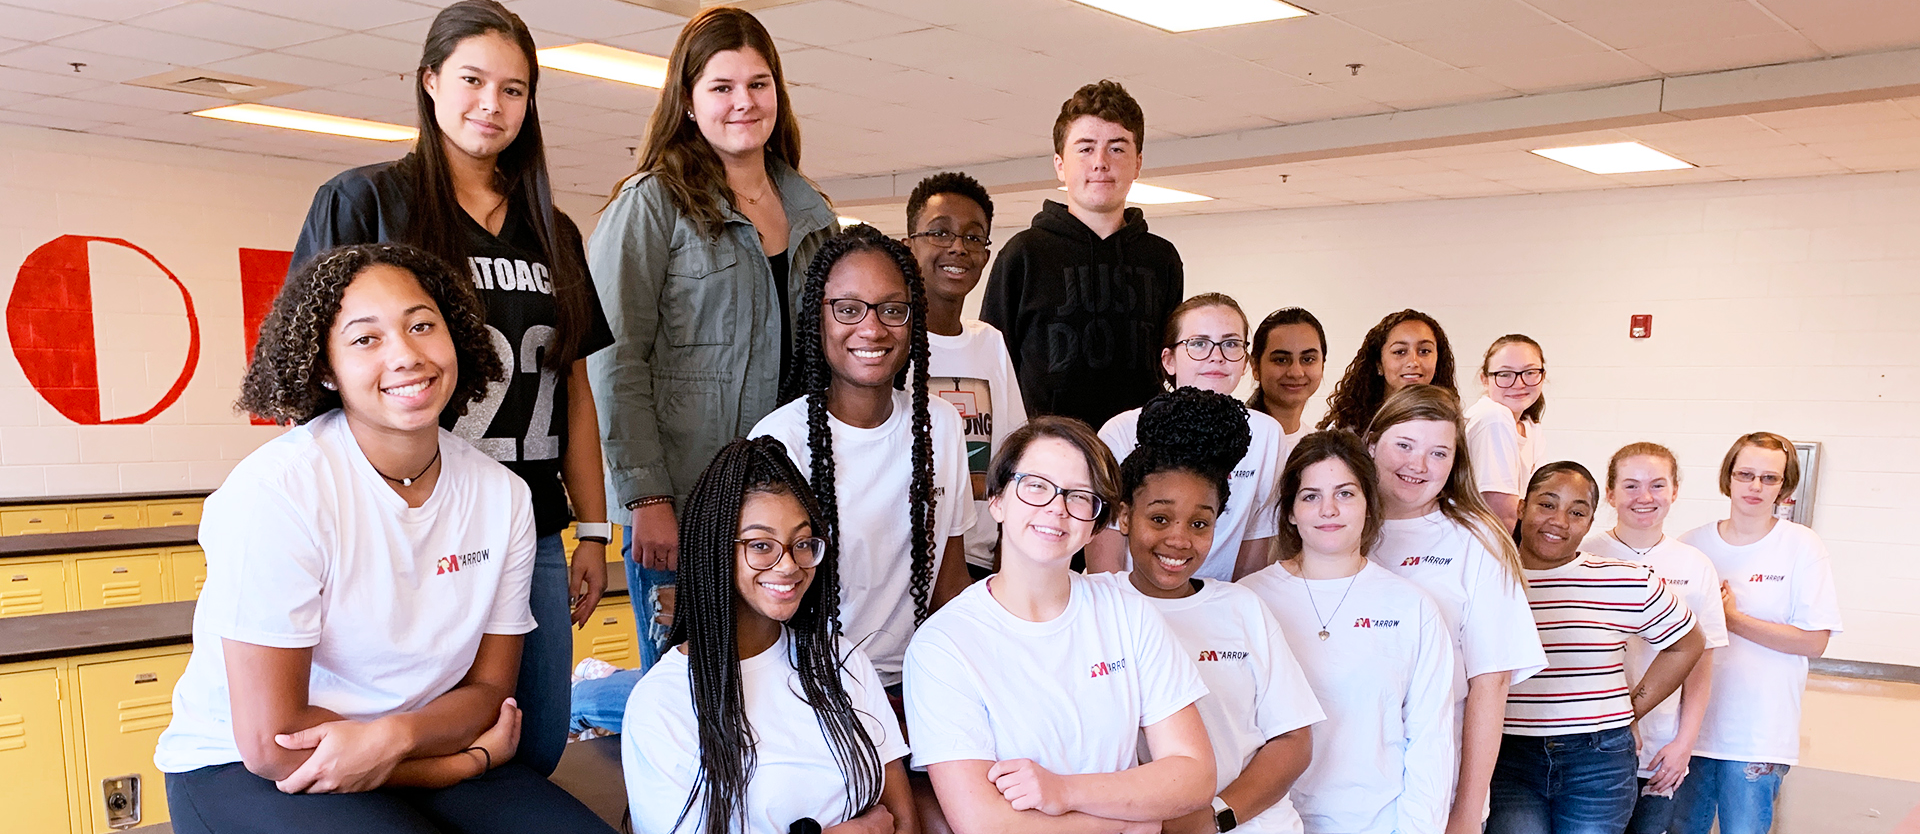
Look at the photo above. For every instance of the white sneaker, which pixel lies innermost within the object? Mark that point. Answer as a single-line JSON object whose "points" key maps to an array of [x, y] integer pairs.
{"points": [[593, 668]]}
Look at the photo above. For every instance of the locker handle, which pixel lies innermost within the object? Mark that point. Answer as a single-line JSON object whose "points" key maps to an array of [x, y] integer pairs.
{"points": [[146, 677], [34, 520], [610, 621], [19, 577], [120, 570], [179, 512], [106, 515]]}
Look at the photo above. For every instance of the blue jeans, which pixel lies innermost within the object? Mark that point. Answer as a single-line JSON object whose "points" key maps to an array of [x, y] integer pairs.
{"points": [[1580, 783], [1741, 794], [546, 658], [1651, 814], [602, 703]]}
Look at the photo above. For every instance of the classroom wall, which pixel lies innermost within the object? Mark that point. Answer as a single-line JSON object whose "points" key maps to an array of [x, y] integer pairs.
{"points": [[1780, 305]]}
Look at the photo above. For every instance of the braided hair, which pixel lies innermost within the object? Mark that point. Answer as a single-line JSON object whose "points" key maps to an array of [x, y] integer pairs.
{"points": [[705, 622], [814, 376], [1188, 430]]}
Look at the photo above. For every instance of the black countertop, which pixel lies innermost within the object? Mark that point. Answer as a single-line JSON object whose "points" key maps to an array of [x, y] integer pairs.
{"points": [[44, 636], [98, 541], [102, 498]]}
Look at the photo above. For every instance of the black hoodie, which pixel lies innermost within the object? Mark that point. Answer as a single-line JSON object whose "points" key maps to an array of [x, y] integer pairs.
{"points": [[1082, 315]]}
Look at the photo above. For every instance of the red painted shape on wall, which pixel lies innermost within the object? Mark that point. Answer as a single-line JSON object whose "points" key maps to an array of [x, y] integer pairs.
{"points": [[50, 323], [262, 271]]}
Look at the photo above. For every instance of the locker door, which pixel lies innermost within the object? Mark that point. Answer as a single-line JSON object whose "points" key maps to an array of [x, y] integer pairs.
{"points": [[132, 578], [169, 513], [124, 704], [109, 516], [33, 772], [32, 588], [35, 520], [608, 635], [189, 568]]}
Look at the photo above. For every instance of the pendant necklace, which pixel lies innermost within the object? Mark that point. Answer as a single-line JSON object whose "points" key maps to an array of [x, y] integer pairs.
{"points": [[1636, 551], [407, 482], [1336, 606]]}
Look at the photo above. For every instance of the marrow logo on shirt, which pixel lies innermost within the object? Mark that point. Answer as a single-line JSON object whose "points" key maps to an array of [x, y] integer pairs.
{"points": [[1767, 577], [1105, 667], [453, 564], [1373, 622], [1412, 561], [1677, 582], [1242, 473], [1213, 655]]}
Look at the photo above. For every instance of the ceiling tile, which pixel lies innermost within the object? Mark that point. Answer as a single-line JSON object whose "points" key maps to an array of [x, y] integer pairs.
{"points": [[1682, 23], [166, 101], [34, 25], [336, 103], [1862, 113], [111, 10], [151, 45], [42, 83], [657, 42], [296, 70], [16, 117], [1488, 19], [362, 50], [1709, 55], [1546, 42], [1847, 26], [354, 15], [235, 26], [98, 68], [592, 19], [946, 14], [1411, 90], [823, 67], [832, 22], [88, 110], [1548, 74], [1317, 33]]}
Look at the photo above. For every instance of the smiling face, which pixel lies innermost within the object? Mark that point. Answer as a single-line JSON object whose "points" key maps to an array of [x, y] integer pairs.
{"points": [[1214, 373], [390, 354], [870, 353], [1555, 519], [950, 271], [734, 103], [480, 95], [1642, 492], [1169, 526], [1409, 356], [1330, 510], [774, 593], [1289, 373], [1044, 535], [1414, 460], [1098, 164], [1514, 357], [1754, 497]]}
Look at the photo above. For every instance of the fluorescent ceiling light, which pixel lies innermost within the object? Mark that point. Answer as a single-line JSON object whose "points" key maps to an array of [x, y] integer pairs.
{"points": [[1154, 195], [261, 114], [607, 62], [1615, 158], [1188, 15]]}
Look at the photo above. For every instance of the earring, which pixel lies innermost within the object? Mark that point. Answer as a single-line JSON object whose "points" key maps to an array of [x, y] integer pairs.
{"points": [[328, 384], [689, 115]]}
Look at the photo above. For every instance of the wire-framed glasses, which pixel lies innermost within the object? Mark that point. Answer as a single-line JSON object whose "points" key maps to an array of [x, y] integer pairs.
{"points": [[763, 553], [1036, 491]]}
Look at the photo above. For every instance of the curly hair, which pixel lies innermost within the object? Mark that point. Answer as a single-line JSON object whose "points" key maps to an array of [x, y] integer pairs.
{"points": [[1362, 388], [1105, 100], [1322, 446], [290, 356], [813, 376], [1188, 430], [706, 624], [947, 182]]}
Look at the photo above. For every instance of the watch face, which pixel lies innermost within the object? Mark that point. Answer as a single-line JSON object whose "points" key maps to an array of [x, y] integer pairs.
{"points": [[1224, 820]]}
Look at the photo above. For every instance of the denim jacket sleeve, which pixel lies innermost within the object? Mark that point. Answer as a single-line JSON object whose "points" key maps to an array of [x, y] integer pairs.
{"points": [[628, 259]]}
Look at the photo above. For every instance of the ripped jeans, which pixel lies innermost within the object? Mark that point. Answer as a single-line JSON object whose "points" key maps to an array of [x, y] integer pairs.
{"points": [[602, 703], [1740, 794]]}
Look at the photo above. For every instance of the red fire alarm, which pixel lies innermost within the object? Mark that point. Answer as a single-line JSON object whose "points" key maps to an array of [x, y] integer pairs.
{"points": [[1640, 327]]}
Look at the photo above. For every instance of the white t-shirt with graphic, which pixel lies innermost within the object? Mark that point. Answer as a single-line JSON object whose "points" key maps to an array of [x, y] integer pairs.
{"points": [[1256, 691], [1484, 605], [307, 547], [873, 470], [1503, 458], [1690, 576], [1785, 577], [1071, 693], [795, 774], [974, 373], [1249, 513], [1384, 760]]}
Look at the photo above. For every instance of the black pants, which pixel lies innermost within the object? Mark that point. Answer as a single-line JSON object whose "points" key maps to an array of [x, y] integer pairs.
{"points": [[227, 799]]}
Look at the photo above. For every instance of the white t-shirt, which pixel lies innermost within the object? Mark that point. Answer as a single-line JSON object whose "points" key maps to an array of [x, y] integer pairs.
{"points": [[1287, 443], [1503, 458], [1256, 691], [1785, 577], [1384, 759], [1250, 492], [1484, 605], [307, 547], [974, 373], [873, 469], [1071, 693], [795, 775], [1689, 575]]}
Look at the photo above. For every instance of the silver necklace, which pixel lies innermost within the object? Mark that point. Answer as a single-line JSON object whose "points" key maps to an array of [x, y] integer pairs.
{"points": [[1324, 634], [1636, 551]]}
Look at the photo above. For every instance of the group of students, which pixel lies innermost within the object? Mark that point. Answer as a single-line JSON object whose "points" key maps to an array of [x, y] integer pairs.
{"points": [[898, 604]]}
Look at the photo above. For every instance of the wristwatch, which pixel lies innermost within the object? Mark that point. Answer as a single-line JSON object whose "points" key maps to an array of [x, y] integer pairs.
{"points": [[1223, 816], [593, 531]]}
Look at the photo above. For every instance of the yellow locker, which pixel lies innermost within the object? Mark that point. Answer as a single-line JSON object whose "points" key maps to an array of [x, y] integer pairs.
{"points": [[608, 635], [132, 578], [24, 520], [32, 588], [169, 513], [124, 704], [33, 773], [189, 568], [109, 516]]}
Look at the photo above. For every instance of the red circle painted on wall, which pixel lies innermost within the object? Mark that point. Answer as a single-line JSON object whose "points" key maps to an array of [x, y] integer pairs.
{"points": [[51, 324]]}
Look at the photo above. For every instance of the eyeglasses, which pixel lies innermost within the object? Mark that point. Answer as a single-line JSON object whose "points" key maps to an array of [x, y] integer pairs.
{"points": [[1201, 347], [1747, 476], [854, 311], [943, 239], [764, 553], [1036, 491], [1530, 376]]}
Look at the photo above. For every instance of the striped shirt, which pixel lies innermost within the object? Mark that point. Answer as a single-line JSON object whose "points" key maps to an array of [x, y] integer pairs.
{"points": [[1586, 610]]}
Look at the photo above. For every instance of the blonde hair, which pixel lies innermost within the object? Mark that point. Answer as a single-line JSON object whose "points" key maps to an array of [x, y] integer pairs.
{"points": [[1459, 498]]}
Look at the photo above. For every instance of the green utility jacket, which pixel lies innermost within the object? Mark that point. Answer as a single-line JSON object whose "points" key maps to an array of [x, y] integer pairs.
{"points": [[694, 362]]}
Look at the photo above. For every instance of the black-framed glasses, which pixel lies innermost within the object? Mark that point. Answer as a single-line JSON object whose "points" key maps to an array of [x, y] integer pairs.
{"points": [[1201, 347], [943, 239], [1530, 376], [1036, 491], [764, 553], [854, 311], [1747, 476]]}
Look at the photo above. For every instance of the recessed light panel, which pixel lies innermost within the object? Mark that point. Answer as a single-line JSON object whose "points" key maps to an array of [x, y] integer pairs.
{"points": [[1154, 195], [607, 62], [1614, 158], [261, 114], [1188, 15]]}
